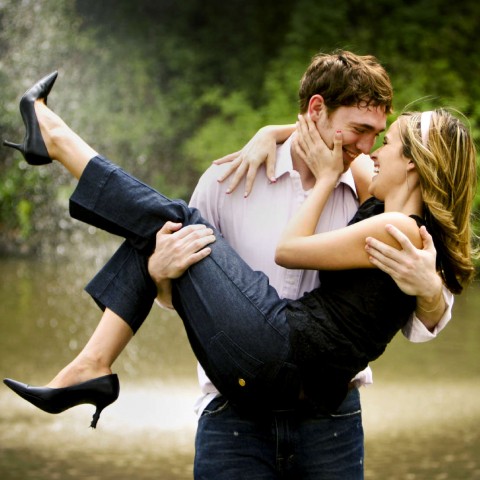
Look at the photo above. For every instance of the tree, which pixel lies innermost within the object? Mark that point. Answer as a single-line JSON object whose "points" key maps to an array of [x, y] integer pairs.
{"points": [[165, 87]]}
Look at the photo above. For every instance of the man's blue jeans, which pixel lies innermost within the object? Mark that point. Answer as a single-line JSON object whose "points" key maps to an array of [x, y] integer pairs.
{"points": [[299, 445]]}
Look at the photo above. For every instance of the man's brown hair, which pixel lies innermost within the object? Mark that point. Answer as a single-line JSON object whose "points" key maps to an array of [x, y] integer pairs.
{"points": [[344, 79]]}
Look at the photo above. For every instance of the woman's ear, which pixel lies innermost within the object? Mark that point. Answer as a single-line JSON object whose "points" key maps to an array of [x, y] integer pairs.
{"points": [[411, 166], [316, 106]]}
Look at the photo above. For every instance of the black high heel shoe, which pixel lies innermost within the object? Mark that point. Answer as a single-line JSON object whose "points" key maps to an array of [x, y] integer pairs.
{"points": [[101, 392], [33, 147]]}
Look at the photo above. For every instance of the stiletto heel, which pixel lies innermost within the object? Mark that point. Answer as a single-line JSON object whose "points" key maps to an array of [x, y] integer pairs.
{"points": [[101, 392], [96, 417], [33, 147]]}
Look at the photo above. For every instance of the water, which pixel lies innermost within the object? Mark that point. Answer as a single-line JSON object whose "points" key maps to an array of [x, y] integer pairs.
{"points": [[421, 417]]}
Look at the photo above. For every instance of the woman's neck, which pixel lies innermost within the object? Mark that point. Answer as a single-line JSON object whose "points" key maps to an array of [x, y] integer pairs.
{"points": [[409, 202]]}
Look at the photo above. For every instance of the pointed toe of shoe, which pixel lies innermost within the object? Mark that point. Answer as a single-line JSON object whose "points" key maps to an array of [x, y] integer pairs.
{"points": [[14, 385], [40, 397]]}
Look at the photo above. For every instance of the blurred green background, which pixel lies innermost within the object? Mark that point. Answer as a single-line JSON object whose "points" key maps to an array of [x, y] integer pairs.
{"points": [[163, 87]]}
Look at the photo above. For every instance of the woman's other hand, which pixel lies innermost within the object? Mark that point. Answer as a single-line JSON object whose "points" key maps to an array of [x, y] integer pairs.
{"points": [[261, 148]]}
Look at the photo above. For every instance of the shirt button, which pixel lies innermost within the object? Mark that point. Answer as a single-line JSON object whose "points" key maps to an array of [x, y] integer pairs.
{"points": [[242, 382]]}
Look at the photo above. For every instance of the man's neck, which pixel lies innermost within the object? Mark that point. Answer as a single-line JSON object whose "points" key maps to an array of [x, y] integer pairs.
{"points": [[306, 176]]}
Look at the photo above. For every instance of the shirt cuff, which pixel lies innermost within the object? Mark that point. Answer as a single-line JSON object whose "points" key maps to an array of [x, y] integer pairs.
{"points": [[417, 332]]}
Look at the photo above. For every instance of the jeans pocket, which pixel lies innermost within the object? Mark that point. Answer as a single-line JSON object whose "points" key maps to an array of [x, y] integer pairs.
{"points": [[215, 407], [232, 359], [350, 407]]}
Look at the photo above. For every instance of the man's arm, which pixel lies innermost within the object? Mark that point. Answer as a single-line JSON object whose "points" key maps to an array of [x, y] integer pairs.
{"points": [[414, 271], [178, 248]]}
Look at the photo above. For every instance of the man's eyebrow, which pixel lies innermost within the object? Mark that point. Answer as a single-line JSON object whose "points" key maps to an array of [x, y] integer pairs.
{"points": [[366, 126]]}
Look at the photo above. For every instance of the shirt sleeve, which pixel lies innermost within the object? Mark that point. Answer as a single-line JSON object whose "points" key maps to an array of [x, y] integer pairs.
{"points": [[208, 196], [417, 332]]}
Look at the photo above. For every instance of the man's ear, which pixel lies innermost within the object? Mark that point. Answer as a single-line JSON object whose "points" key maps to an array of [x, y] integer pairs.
{"points": [[316, 106]]}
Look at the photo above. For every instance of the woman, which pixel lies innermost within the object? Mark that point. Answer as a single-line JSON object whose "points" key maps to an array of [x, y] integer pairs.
{"points": [[256, 347]]}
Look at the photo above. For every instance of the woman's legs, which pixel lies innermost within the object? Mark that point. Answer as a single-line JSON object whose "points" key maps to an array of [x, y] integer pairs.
{"points": [[232, 315], [237, 327], [112, 333], [234, 319]]}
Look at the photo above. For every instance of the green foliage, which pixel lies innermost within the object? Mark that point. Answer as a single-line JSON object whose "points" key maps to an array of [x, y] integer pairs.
{"points": [[24, 213], [165, 87], [234, 120]]}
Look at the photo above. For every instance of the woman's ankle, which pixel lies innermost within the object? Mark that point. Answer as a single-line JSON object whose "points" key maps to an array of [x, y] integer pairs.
{"points": [[51, 128], [77, 372]]}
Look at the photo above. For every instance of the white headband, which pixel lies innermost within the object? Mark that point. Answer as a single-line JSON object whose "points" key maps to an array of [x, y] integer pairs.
{"points": [[425, 126]]}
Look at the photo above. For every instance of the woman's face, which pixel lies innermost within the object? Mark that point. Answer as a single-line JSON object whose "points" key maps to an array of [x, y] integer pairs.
{"points": [[390, 165]]}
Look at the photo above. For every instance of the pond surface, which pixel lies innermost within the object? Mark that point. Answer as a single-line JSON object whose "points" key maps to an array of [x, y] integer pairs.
{"points": [[421, 417]]}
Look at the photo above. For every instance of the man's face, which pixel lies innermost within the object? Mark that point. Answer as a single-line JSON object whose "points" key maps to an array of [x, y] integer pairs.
{"points": [[360, 127]]}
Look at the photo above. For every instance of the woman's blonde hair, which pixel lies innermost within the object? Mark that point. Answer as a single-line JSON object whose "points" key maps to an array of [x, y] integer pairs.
{"points": [[445, 158]]}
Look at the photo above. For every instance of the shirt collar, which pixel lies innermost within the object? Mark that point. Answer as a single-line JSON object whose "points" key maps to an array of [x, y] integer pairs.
{"points": [[284, 164]]}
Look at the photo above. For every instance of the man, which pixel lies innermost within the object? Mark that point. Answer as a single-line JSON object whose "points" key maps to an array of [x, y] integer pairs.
{"points": [[344, 92]]}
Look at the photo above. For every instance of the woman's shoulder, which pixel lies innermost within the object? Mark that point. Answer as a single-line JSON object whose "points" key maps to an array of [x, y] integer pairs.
{"points": [[407, 224]]}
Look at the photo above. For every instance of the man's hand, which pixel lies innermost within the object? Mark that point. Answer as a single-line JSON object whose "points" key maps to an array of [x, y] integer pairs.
{"points": [[176, 250], [413, 270]]}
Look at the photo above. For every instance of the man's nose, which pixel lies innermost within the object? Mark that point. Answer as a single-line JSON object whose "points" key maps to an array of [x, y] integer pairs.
{"points": [[365, 144]]}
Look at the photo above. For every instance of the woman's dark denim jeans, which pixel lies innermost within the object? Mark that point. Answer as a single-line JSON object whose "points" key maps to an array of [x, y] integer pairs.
{"points": [[234, 319]]}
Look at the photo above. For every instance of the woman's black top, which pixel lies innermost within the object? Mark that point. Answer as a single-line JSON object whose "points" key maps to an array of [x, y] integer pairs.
{"points": [[338, 328]]}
